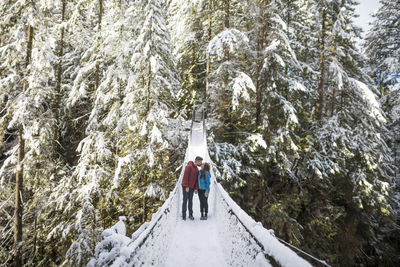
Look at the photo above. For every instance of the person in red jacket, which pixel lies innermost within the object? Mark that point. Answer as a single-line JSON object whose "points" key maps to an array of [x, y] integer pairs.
{"points": [[190, 185]]}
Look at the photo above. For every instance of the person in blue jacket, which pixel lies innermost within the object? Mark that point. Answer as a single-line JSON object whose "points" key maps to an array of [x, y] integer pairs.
{"points": [[204, 188]]}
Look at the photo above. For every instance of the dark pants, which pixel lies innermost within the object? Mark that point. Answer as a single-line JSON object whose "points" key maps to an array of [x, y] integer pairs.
{"points": [[187, 196], [203, 201]]}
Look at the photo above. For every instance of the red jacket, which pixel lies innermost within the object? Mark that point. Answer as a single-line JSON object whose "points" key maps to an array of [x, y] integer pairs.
{"points": [[190, 176]]}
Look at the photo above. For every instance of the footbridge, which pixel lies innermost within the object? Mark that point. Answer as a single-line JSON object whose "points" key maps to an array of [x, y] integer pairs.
{"points": [[230, 237]]}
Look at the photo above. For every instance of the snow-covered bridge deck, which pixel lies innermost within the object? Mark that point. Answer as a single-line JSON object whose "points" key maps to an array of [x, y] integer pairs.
{"points": [[230, 237]]}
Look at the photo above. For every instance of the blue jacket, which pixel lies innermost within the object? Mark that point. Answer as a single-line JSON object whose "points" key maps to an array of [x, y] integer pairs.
{"points": [[204, 183]]}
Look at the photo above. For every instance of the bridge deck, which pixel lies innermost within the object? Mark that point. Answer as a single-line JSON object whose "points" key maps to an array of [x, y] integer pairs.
{"points": [[196, 243]]}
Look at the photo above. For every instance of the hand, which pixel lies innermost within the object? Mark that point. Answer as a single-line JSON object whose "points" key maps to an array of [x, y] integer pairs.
{"points": [[187, 189], [195, 191]]}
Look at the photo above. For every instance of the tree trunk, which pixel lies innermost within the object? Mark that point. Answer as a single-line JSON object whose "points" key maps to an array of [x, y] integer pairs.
{"points": [[333, 101], [58, 83], [97, 74], [225, 104], [319, 107], [34, 237], [226, 24], [144, 216], [148, 100], [208, 59], [288, 21], [263, 199], [258, 89], [18, 205], [260, 60], [260, 48]]}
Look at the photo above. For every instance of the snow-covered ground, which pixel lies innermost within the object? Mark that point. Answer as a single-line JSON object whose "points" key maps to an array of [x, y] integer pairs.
{"points": [[229, 237], [196, 243]]}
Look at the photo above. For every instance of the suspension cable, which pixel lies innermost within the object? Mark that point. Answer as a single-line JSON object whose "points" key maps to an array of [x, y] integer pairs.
{"points": [[303, 252]]}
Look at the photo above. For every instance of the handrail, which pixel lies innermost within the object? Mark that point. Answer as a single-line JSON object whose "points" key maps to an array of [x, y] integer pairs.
{"points": [[165, 208], [305, 253], [269, 257], [274, 263]]}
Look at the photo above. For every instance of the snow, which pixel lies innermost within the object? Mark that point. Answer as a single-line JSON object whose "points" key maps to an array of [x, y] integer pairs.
{"points": [[232, 39], [240, 85], [196, 243], [156, 135], [274, 44], [369, 96], [154, 190], [257, 140], [229, 237], [121, 162]]}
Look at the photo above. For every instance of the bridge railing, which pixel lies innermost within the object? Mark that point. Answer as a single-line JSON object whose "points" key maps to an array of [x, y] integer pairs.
{"points": [[252, 240], [242, 247], [149, 243], [150, 247]]}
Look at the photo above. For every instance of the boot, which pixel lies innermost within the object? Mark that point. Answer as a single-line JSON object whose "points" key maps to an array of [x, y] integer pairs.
{"points": [[202, 216], [205, 216]]}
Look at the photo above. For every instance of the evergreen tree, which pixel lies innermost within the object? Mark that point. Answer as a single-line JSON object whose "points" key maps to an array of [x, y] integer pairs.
{"points": [[281, 101], [149, 113], [348, 147], [189, 34], [382, 45], [80, 199], [93, 109], [33, 114], [382, 49]]}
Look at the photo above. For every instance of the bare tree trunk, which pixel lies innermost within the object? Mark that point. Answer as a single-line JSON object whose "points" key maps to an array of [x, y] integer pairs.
{"points": [[58, 84], [263, 198], [319, 107], [18, 209], [97, 74]]}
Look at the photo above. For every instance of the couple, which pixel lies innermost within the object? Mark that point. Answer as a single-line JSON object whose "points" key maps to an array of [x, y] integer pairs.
{"points": [[196, 180]]}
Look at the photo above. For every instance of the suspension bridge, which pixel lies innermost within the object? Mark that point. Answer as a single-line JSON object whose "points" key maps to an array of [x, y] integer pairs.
{"points": [[230, 237]]}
